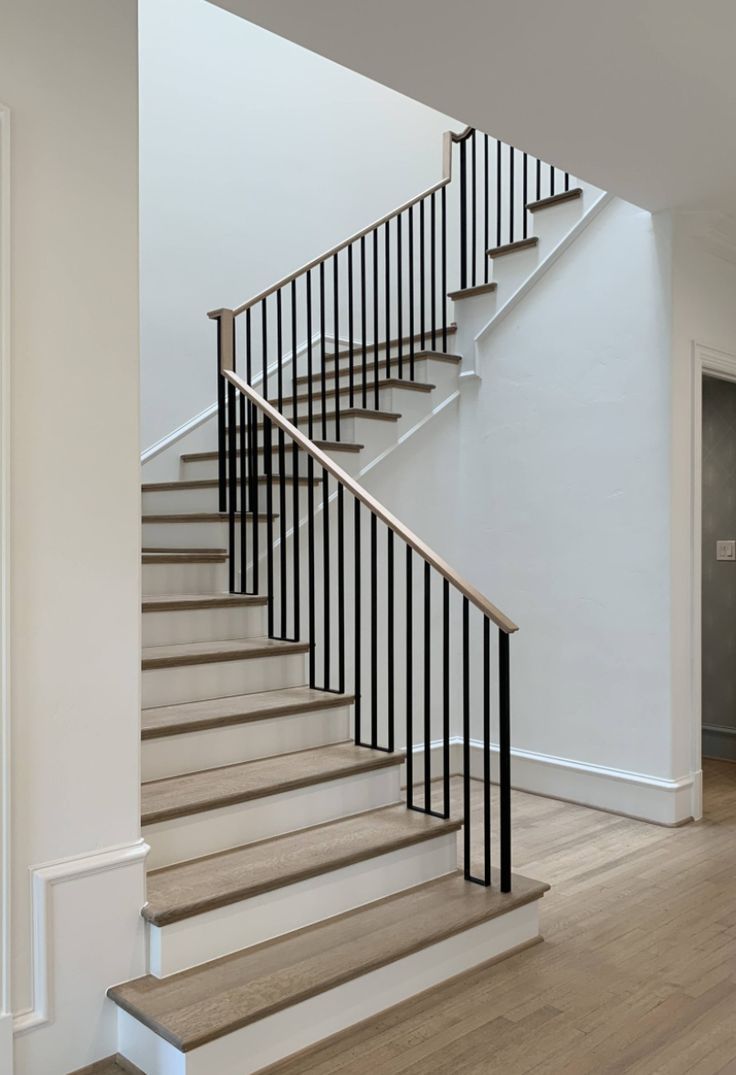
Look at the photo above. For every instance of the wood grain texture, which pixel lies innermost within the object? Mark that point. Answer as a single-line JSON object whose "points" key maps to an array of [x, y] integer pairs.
{"points": [[200, 517], [209, 789], [383, 382], [471, 292], [190, 888], [187, 653], [209, 483], [112, 1065], [555, 199], [511, 248], [187, 717], [184, 557], [194, 602], [199, 1005], [325, 445], [637, 975]]}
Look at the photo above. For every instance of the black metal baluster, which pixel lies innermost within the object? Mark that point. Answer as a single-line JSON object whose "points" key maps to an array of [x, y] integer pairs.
{"points": [[539, 179], [232, 482], [357, 575], [390, 634], [310, 574], [363, 324], [351, 372], [375, 318], [326, 580], [253, 496], [525, 181], [486, 203], [466, 738], [296, 567], [399, 301], [387, 295], [322, 354], [282, 470], [567, 181], [310, 371], [340, 591], [268, 458], [473, 247], [511, 194], [446, 696], [409, 680], [374, 635], [443, 233], [499, 188], [422, 286], [221, 422], [427, 688], [336, 306], [433, 270], [264, 348], [412, 343], [487, 749], [243, 494], [504, 758], [463, 217], [551, 179]]}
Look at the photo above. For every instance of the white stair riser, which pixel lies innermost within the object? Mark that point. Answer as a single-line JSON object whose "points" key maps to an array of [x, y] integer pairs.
{"points": [[220, 679], [184, 578], [217, 933], [180, 501], [511, 270], [230, 826], [172, 755], [204, 625], [206, 469], [432, 372], [210, 535], [253, 1047]]}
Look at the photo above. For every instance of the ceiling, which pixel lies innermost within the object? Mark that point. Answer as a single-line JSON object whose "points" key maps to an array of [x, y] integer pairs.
{"points": [[636, 96]]}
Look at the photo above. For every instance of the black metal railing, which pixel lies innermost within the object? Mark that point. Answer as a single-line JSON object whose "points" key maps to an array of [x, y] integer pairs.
{"points": [[388, 621]]}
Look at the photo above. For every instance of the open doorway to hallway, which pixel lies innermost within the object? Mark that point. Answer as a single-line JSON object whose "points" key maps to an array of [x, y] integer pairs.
{"points": [[719, 569]]}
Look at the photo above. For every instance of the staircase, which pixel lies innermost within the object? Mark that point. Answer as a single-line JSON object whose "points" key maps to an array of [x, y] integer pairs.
{"points": [[306, 871]]}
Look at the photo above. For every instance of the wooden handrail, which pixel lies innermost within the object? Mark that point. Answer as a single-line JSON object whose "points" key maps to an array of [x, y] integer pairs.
{"points": [[447, 140], [428, 555]]}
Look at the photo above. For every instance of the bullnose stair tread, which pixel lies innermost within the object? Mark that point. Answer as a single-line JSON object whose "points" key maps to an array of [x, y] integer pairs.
{"points": [[191, 888], [208, 789], [510, 248], [394, 341], [159, 721], [195, 601], [471, 292], [185, 653], [199, 517], [325, 445], [207, 483], [200, 1005], [383, 382], [185, 556], [419, 356], [555, 199]]}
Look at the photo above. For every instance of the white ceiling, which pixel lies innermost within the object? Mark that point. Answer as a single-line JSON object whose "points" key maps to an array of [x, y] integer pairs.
{"points": [[636, 96]]}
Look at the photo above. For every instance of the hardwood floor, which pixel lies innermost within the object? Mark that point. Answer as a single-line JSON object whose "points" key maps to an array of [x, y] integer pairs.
{"points": [[637, 973]]}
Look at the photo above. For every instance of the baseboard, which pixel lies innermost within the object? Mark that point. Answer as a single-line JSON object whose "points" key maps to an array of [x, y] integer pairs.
{"points": [[719, 742], [618, 791]]}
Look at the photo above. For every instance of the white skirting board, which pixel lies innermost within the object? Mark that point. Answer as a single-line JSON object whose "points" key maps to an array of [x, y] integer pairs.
{"points": [[286, 1032], [636, 795]]}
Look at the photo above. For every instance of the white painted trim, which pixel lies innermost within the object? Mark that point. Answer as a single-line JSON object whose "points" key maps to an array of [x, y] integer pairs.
{"points": [[193, 423], [714, 363], [639, 795], [43, 879], [544, 266], [6, 1055]]}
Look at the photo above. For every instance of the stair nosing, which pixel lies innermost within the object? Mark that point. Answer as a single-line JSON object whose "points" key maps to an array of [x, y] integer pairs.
{"points": [[368, 764], [184, 557], [194, 602], [555, 199], [510, 248], [344, 390], [189, 484], [304, 873], [469, 292], [156, 518], [276, 648]]}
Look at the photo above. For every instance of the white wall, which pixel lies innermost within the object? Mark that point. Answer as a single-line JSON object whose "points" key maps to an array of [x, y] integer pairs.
{"points": [[555, 479], [68, 73], [256, 156]]}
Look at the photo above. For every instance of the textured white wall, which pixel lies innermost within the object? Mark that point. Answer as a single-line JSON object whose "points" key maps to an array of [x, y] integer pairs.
{"points": [[68, 73], [256, 156]]}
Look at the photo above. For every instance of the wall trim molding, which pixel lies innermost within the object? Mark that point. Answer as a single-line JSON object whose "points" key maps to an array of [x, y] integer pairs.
{"points": [[43, 880], [533, 279], [641, 796], [6, 1056], [193, 423]]}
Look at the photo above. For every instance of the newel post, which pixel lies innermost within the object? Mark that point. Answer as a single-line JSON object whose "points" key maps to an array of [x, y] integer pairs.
{"points": [[225, 362]]}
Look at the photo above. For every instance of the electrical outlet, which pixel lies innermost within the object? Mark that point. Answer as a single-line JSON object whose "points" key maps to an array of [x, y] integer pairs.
{"points": [[726, 550]]}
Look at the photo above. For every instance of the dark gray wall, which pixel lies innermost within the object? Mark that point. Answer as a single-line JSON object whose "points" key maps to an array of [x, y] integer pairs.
{"points": [[719, 577]]}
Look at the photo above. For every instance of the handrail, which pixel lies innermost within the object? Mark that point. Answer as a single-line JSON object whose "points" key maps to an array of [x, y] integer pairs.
{"points": [[428, 555], [448, 138]]}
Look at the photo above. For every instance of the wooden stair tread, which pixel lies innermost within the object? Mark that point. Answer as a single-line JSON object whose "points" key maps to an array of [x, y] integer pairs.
{"points": [[206, 1002], [217, 556], [209, 483], [345, 412], [208, 789], [405, 341], [470, 292], [383, 382], [200, 517], [186, 653], [191, 888], [510, 248], [194, 601], [555, 199], [325, 445], [166, 720], [419, 356]]}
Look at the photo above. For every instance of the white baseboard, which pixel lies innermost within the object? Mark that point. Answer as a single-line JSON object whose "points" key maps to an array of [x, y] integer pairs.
{"points": [[86, 932], [618, 791], [719, 742]]}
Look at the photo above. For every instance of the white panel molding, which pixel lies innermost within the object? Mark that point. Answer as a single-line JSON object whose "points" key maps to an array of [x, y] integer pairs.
{"points": [[618, 791], [714, 363], [533, 279], [43, 880], [199, 419], [6, 1055]]}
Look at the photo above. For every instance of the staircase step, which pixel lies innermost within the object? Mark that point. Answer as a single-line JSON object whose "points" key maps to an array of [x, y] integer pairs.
{"points": [[325, 445], [405, 341], [471, 292], [168, 720], [383, 383], [208, 483], [206, 1003], [191, 888], [346, 412], [200, 517], [187, 653], [186, 556], [419, 357], [209, 789], [555, 199], [511, 248], [195, 601]]}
